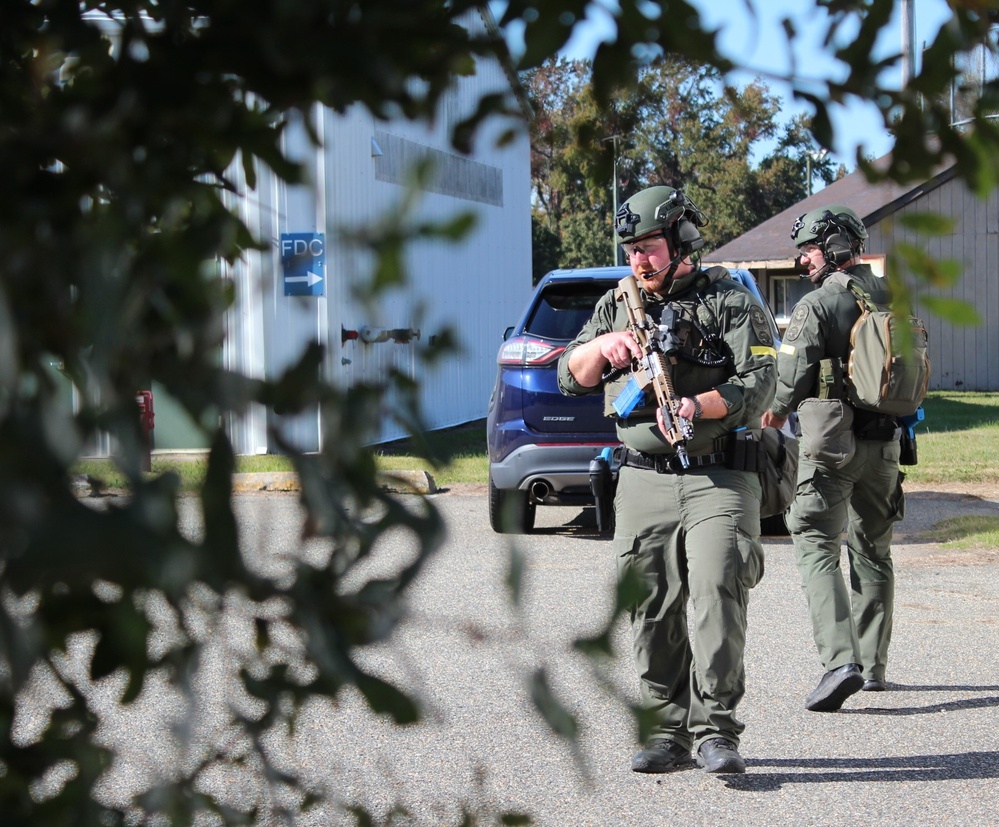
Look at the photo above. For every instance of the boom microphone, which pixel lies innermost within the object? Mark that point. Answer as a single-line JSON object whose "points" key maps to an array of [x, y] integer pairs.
{"points": [[671, 266]]}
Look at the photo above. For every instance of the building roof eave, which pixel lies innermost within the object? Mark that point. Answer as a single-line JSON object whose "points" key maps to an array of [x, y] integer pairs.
{"points": [[872, 202], [758, 264]]}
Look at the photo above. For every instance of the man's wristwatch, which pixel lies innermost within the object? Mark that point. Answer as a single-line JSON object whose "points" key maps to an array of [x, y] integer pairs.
{"points": [[698, 413]]}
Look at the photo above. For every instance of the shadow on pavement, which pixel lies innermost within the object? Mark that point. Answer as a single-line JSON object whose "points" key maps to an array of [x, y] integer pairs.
{"points": [[957, 767], [950, 706]]}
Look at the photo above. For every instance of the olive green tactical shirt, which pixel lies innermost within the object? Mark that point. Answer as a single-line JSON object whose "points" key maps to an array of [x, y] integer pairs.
{"points": [[746, 380], [819, 328]]}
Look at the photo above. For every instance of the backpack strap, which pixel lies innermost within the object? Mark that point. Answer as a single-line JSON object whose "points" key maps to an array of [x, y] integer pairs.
{"points": [[840, 278], [862, 296]]}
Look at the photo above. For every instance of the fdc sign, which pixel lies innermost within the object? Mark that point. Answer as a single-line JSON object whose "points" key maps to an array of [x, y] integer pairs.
{"points": [[303, 261]]}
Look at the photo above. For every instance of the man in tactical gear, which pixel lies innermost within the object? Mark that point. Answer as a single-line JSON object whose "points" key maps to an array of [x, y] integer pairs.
{"points": [[683, 532], [852, 629]]}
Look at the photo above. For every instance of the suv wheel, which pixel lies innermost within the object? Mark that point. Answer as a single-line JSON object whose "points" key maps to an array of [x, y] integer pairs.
{"points": [[510, 512]]}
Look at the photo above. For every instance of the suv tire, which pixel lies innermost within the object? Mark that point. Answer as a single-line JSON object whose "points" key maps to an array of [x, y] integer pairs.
{"points": [[774, 526], [510, 512]]}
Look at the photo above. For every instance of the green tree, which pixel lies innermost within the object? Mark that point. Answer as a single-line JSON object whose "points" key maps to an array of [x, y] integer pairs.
{"points": [[587, 239], [546, 247], [114, 170], [561, 190], [782, 176], [677, 124], [553, 90], [698, 134]]}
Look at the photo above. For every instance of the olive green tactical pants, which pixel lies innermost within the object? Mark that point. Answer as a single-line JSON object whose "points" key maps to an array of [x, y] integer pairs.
{"points": [[849, 626], [692, 536]]}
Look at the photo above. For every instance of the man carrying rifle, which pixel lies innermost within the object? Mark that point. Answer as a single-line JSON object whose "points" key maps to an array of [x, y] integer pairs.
{"points": [[684, 373]]}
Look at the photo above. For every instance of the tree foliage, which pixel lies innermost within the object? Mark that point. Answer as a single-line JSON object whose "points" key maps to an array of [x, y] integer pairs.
{"points": [[677, 124], [114, 170]]}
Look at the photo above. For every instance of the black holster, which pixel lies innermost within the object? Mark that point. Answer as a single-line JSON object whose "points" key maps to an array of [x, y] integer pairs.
{"points": [[907, 450], [602, 487]]}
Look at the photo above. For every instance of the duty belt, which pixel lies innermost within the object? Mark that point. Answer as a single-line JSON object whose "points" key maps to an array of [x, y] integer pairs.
{"points": [[876, 428], [869, 425], [889, 433], [669, 463]]}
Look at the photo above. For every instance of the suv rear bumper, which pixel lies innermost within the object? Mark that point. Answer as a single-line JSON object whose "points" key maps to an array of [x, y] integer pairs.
{"points": [[552, 473]]}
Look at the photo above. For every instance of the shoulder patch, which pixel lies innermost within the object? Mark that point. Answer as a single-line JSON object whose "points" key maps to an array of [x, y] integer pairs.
{"points": [[760, 327], [797, 322]]}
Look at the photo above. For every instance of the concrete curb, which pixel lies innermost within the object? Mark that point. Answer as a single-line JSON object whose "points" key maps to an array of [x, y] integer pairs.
{"points": [[407, 482], [268, 481], [396, 482]]}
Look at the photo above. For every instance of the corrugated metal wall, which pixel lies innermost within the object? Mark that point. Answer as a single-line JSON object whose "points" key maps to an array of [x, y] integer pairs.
{"points": [[476, 287], [963, 357]]}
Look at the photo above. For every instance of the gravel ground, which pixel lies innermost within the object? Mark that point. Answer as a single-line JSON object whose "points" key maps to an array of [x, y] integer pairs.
{"points": [[924, 753]]}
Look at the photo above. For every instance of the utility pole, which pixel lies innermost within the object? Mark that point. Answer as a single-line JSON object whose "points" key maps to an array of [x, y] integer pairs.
{"points": [[817, 155], [614, 139], [908, 43]]}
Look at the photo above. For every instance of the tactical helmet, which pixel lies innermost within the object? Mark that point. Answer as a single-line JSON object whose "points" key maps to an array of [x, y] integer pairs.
{"points": [[662, 208], [837, 231]]}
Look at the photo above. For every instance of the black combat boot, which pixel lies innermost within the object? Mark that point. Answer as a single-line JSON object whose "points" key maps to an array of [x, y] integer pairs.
{"points": [[661, 755], [720, 755], [835, 687]]}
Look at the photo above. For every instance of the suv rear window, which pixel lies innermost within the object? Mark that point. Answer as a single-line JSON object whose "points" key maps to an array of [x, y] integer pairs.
{"points": [[563, 309]]}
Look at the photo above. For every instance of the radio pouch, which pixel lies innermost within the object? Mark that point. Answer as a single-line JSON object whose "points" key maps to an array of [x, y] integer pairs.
{"points": [[744, 453]]}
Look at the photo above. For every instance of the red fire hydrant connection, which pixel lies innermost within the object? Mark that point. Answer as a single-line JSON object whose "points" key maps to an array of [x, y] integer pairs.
{"points": [[147, 418]]}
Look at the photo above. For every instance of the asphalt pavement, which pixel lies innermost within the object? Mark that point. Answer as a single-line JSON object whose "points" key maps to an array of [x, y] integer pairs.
{"points": [[924, 753]]}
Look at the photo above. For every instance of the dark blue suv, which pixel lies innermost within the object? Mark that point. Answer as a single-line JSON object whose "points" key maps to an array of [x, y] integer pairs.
{"points": [[540, 442]]}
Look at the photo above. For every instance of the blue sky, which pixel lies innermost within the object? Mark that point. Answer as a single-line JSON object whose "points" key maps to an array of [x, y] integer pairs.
{"points": [[763, 47]]}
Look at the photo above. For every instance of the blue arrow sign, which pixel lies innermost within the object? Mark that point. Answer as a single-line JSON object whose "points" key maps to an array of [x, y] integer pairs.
{"points": [[303, 262]]}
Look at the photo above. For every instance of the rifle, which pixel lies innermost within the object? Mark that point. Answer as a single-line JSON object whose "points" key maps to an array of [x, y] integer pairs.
{"points": [[657, 345]]}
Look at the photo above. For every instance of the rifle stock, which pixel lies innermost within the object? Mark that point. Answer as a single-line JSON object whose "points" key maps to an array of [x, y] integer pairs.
{"points": [[651, 369]]}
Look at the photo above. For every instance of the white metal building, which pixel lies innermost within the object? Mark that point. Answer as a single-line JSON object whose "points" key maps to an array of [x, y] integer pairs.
{"points": [[476, 287]]}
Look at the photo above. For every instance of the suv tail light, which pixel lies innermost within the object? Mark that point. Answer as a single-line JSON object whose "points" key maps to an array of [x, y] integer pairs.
{"points": [[523, 350]]}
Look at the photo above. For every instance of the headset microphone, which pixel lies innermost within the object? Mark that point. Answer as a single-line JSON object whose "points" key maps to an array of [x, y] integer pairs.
{"points": [[657, 272], [671, 266]]}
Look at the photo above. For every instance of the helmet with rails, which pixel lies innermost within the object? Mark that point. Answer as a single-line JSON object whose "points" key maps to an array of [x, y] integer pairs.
{"points": [[837, 231], [666, 209]]}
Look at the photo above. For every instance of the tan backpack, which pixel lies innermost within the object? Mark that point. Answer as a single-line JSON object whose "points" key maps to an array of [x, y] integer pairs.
{"points": [[884, 372]]}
